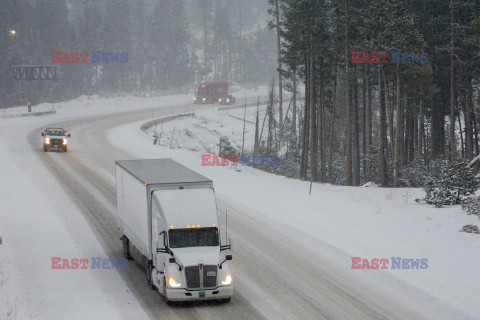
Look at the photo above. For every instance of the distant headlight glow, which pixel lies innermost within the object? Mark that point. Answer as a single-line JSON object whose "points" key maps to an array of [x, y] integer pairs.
{"points": [[64, 141], [47, 140]]}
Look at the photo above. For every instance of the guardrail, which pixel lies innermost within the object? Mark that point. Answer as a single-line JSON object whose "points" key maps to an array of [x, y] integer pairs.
{"points": [[30, 114]]}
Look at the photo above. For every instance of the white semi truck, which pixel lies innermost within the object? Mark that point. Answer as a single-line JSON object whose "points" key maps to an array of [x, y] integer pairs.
{"points": [[168, 217]]}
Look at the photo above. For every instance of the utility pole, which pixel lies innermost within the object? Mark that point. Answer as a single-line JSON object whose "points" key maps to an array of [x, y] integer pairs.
{"points": [[244, 119]]}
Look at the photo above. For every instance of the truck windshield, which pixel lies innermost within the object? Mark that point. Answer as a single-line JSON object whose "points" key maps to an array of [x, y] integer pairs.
{"points": [[201, 237], [55, 132]]}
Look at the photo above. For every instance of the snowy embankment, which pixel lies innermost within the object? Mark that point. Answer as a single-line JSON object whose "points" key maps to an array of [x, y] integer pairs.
{"points": [[356, 221], [38, 221]]}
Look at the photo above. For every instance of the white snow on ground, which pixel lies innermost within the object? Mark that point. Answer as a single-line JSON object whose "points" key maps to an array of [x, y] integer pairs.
{"points": [[38, 221], [202, 131], [357, 221]]}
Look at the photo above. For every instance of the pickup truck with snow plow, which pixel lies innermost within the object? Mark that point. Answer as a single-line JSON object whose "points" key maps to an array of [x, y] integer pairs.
{"points": [[168, 218]]}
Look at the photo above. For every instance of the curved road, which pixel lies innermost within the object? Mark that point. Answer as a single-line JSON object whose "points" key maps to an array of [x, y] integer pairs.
{"points": [[275, 276]]}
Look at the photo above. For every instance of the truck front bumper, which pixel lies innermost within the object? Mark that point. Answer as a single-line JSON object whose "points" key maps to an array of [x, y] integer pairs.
{"points": [[194, 295]]}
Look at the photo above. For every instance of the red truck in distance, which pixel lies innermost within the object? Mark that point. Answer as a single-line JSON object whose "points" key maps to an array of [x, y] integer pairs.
{"points": [[212, 92]]}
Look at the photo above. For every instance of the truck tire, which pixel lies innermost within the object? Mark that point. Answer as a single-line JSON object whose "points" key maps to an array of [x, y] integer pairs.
{"points": [[149, 275], [126, 248], [64, 149], [226, 300], [45, 148]]}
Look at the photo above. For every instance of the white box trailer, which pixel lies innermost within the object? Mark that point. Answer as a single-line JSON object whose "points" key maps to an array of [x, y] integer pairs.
{"points": [[168, 217]]}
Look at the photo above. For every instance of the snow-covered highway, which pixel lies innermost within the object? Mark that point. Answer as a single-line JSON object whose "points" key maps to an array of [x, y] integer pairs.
{"points": [[277, 275]]}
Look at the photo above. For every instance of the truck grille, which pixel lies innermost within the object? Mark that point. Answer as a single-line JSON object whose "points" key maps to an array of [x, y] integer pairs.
{"points": [[57, 141], [193, 276]]}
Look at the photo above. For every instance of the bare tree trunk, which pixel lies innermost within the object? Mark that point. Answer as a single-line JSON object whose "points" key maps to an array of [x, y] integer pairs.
{"points": [[332, 125], [474, 118], [390, 118], [348, 158], [321, 124], [452, 92], [280, 76], [364, 124], [257, 123], [305, 122], [313, 122], [461, 136], [409, 132], [421, 129], [468, 126], [294, 110], [382, 133], [356, 138], [369, 113], [399, 148]]}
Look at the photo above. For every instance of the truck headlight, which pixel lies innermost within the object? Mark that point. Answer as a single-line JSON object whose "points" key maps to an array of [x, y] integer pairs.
{"points": [[228, 100], [227, 280], [195, 99], [173, 283], [47, 140], [204, 99], [64, 141]]}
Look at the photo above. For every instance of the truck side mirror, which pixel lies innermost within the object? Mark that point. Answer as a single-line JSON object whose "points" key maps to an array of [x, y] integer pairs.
{"points": [[172, 260], [232, 243], [42, 134], [228, 257], [69, 135]]}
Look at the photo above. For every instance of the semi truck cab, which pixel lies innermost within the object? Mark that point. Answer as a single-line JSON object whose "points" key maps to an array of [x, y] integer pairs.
{"points": [[190, 264]]}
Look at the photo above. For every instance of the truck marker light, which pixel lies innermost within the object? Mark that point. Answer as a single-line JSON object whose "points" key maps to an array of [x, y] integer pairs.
{"points": [[145, 184], [198, 226], [213, 224], [188, 226], [171, 227]]}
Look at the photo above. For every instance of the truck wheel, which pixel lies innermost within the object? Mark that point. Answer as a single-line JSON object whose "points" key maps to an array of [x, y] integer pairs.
{"points": [[64, 149], [149, 275], [45, 148], [226, 300], [126, 248]]}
